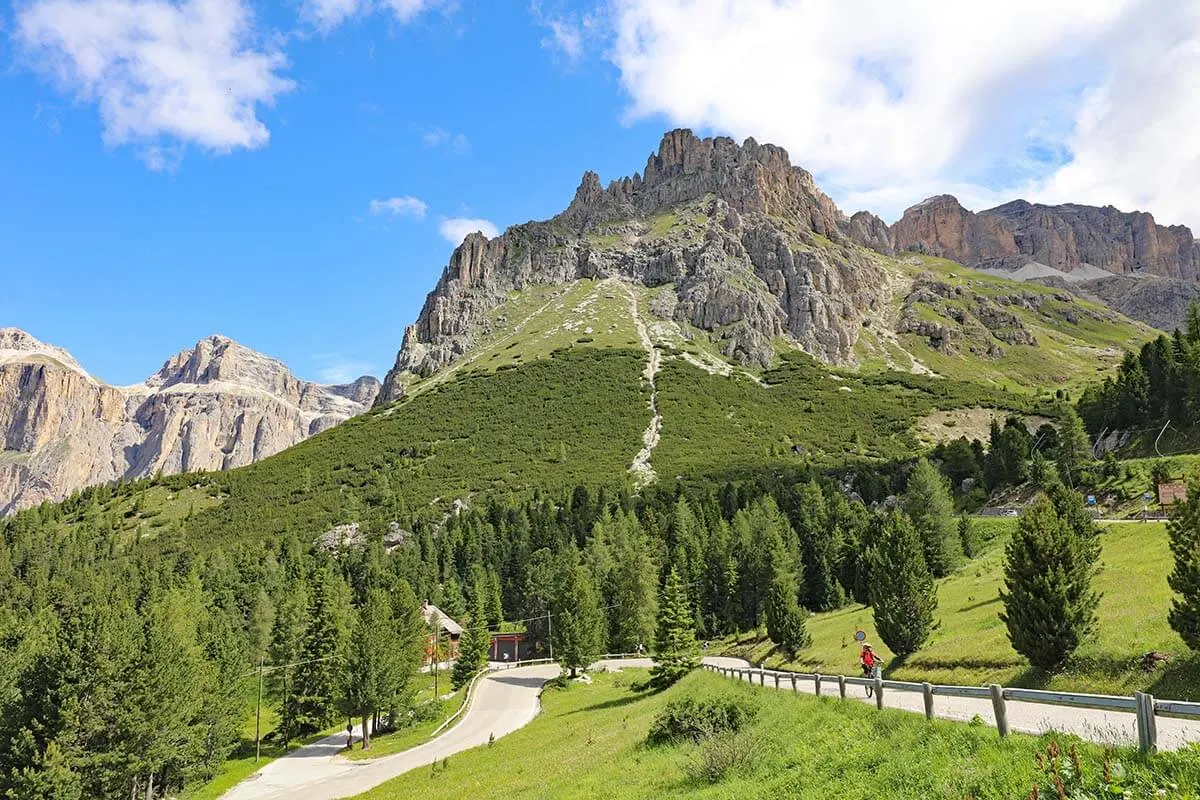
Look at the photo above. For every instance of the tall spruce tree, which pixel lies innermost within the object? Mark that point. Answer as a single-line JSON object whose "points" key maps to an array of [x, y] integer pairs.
{"points": [[676, 652], [1074, 449], [318, 678], [578, 622], [785, 618], [473, 645], [1049, 605], [902, 590], [1184, 533], [930, 507]]}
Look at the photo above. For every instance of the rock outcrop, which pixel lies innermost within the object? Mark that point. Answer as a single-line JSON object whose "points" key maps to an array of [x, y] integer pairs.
{"points": [[752, 249], [1064, 237], [216, 406]]}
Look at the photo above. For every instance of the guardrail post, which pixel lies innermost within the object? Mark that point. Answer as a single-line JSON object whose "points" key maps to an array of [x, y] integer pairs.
{"points": [[1147, 725], [793, 684], [762, 677], [776, 680], [999, 707], [842, 686], [817, 683], [879, 692], [927, 691]]}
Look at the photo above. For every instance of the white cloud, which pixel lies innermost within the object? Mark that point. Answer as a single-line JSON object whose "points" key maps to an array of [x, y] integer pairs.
{"points": [[334, 369], [570, 32], [455, 229], [189, 72], [400, 207], [440, 137], [325, 15], [1091, 100]]}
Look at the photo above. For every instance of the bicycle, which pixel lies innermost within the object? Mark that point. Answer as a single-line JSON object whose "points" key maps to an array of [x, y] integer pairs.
{"points": [[874, 672]]}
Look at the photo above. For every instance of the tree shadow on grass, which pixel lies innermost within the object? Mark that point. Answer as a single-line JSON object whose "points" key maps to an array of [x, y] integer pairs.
{"points": [[616, 702]]}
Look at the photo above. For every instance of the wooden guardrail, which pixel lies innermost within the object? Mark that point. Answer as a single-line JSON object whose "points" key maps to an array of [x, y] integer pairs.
{"points": [[1144, 706]]}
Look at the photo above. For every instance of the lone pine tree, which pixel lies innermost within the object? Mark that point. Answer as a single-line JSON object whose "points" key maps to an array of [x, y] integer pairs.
{"points": [[1049, 605], [676, 653]]}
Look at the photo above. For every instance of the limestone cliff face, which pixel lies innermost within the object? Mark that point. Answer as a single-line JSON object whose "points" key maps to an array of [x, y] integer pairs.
{"points": [[217, 406], [753, 249], [1065, 237]]}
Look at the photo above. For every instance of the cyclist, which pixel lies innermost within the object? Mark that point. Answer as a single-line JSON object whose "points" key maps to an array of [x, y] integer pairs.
{"points": [[872, 664]]}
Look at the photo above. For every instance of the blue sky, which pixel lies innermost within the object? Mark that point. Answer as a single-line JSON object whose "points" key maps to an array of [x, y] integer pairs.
{"points": [[140, 213]]}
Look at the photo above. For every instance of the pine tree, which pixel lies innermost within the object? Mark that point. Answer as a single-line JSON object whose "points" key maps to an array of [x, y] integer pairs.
{"points": [[966, 536], [287, 647], [472, 646], [676, 652], [930, 507], [578, 622], [318, 679], [635, 594], [373, 656], [902, 590], [1184, 533], [52, 778], [785, 618], [1074, 449], [1049, 605]]}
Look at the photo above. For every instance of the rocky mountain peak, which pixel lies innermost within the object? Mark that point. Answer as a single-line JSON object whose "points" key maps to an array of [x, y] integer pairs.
{"points": [[17, 345], [17, 339], [751, 178], [217, 405], [728, 227], [218, 358]]}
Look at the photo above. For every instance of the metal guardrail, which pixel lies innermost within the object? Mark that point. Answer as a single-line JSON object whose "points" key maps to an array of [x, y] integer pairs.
{"points": [[1145, 708]]}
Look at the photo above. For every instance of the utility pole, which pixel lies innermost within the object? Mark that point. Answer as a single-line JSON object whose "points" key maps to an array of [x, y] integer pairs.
{"points": [[437, 629], [258, 712], [550, 634]]}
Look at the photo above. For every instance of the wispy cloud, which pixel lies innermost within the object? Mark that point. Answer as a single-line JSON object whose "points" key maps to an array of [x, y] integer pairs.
{"points": [[440, 137], [455, 229], [400, 207], [333, 368], [325, 15], [191, 72], [570, 32]]}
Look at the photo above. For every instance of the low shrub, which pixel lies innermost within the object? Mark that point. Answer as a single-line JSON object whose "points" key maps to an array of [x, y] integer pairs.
{"points": [[721, 754], [689, 718]]}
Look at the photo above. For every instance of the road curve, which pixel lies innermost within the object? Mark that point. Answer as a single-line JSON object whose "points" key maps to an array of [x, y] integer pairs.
{"points": [[503, 701]]}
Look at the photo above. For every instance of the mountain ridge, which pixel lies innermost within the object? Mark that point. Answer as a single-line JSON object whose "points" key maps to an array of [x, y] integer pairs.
{"points": [[216, 405], [756, 255]]}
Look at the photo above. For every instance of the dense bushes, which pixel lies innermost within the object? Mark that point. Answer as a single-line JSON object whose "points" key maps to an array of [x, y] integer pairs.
{"points": [[695, 718]]}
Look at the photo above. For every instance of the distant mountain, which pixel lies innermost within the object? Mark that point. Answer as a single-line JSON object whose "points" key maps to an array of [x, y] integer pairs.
{"points": [[1065, 237], [216, 406]]}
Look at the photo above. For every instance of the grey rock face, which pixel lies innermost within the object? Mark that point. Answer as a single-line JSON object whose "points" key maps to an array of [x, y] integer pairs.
{"points": [[1064, 237], [216, 406], [735, 231]]}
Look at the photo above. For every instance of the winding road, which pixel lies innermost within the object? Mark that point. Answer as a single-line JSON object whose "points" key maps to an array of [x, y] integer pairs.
{"points": [[508, 699]]}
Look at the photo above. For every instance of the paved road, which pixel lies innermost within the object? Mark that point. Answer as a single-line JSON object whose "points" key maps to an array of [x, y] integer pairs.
{"points": [[1106, 727], [503, 701], [508, 699]]}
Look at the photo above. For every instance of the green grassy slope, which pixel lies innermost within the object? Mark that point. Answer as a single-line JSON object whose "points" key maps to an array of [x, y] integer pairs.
{"points": [[554, 396], [1077, 341], [589, 741], [971, 645]]}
